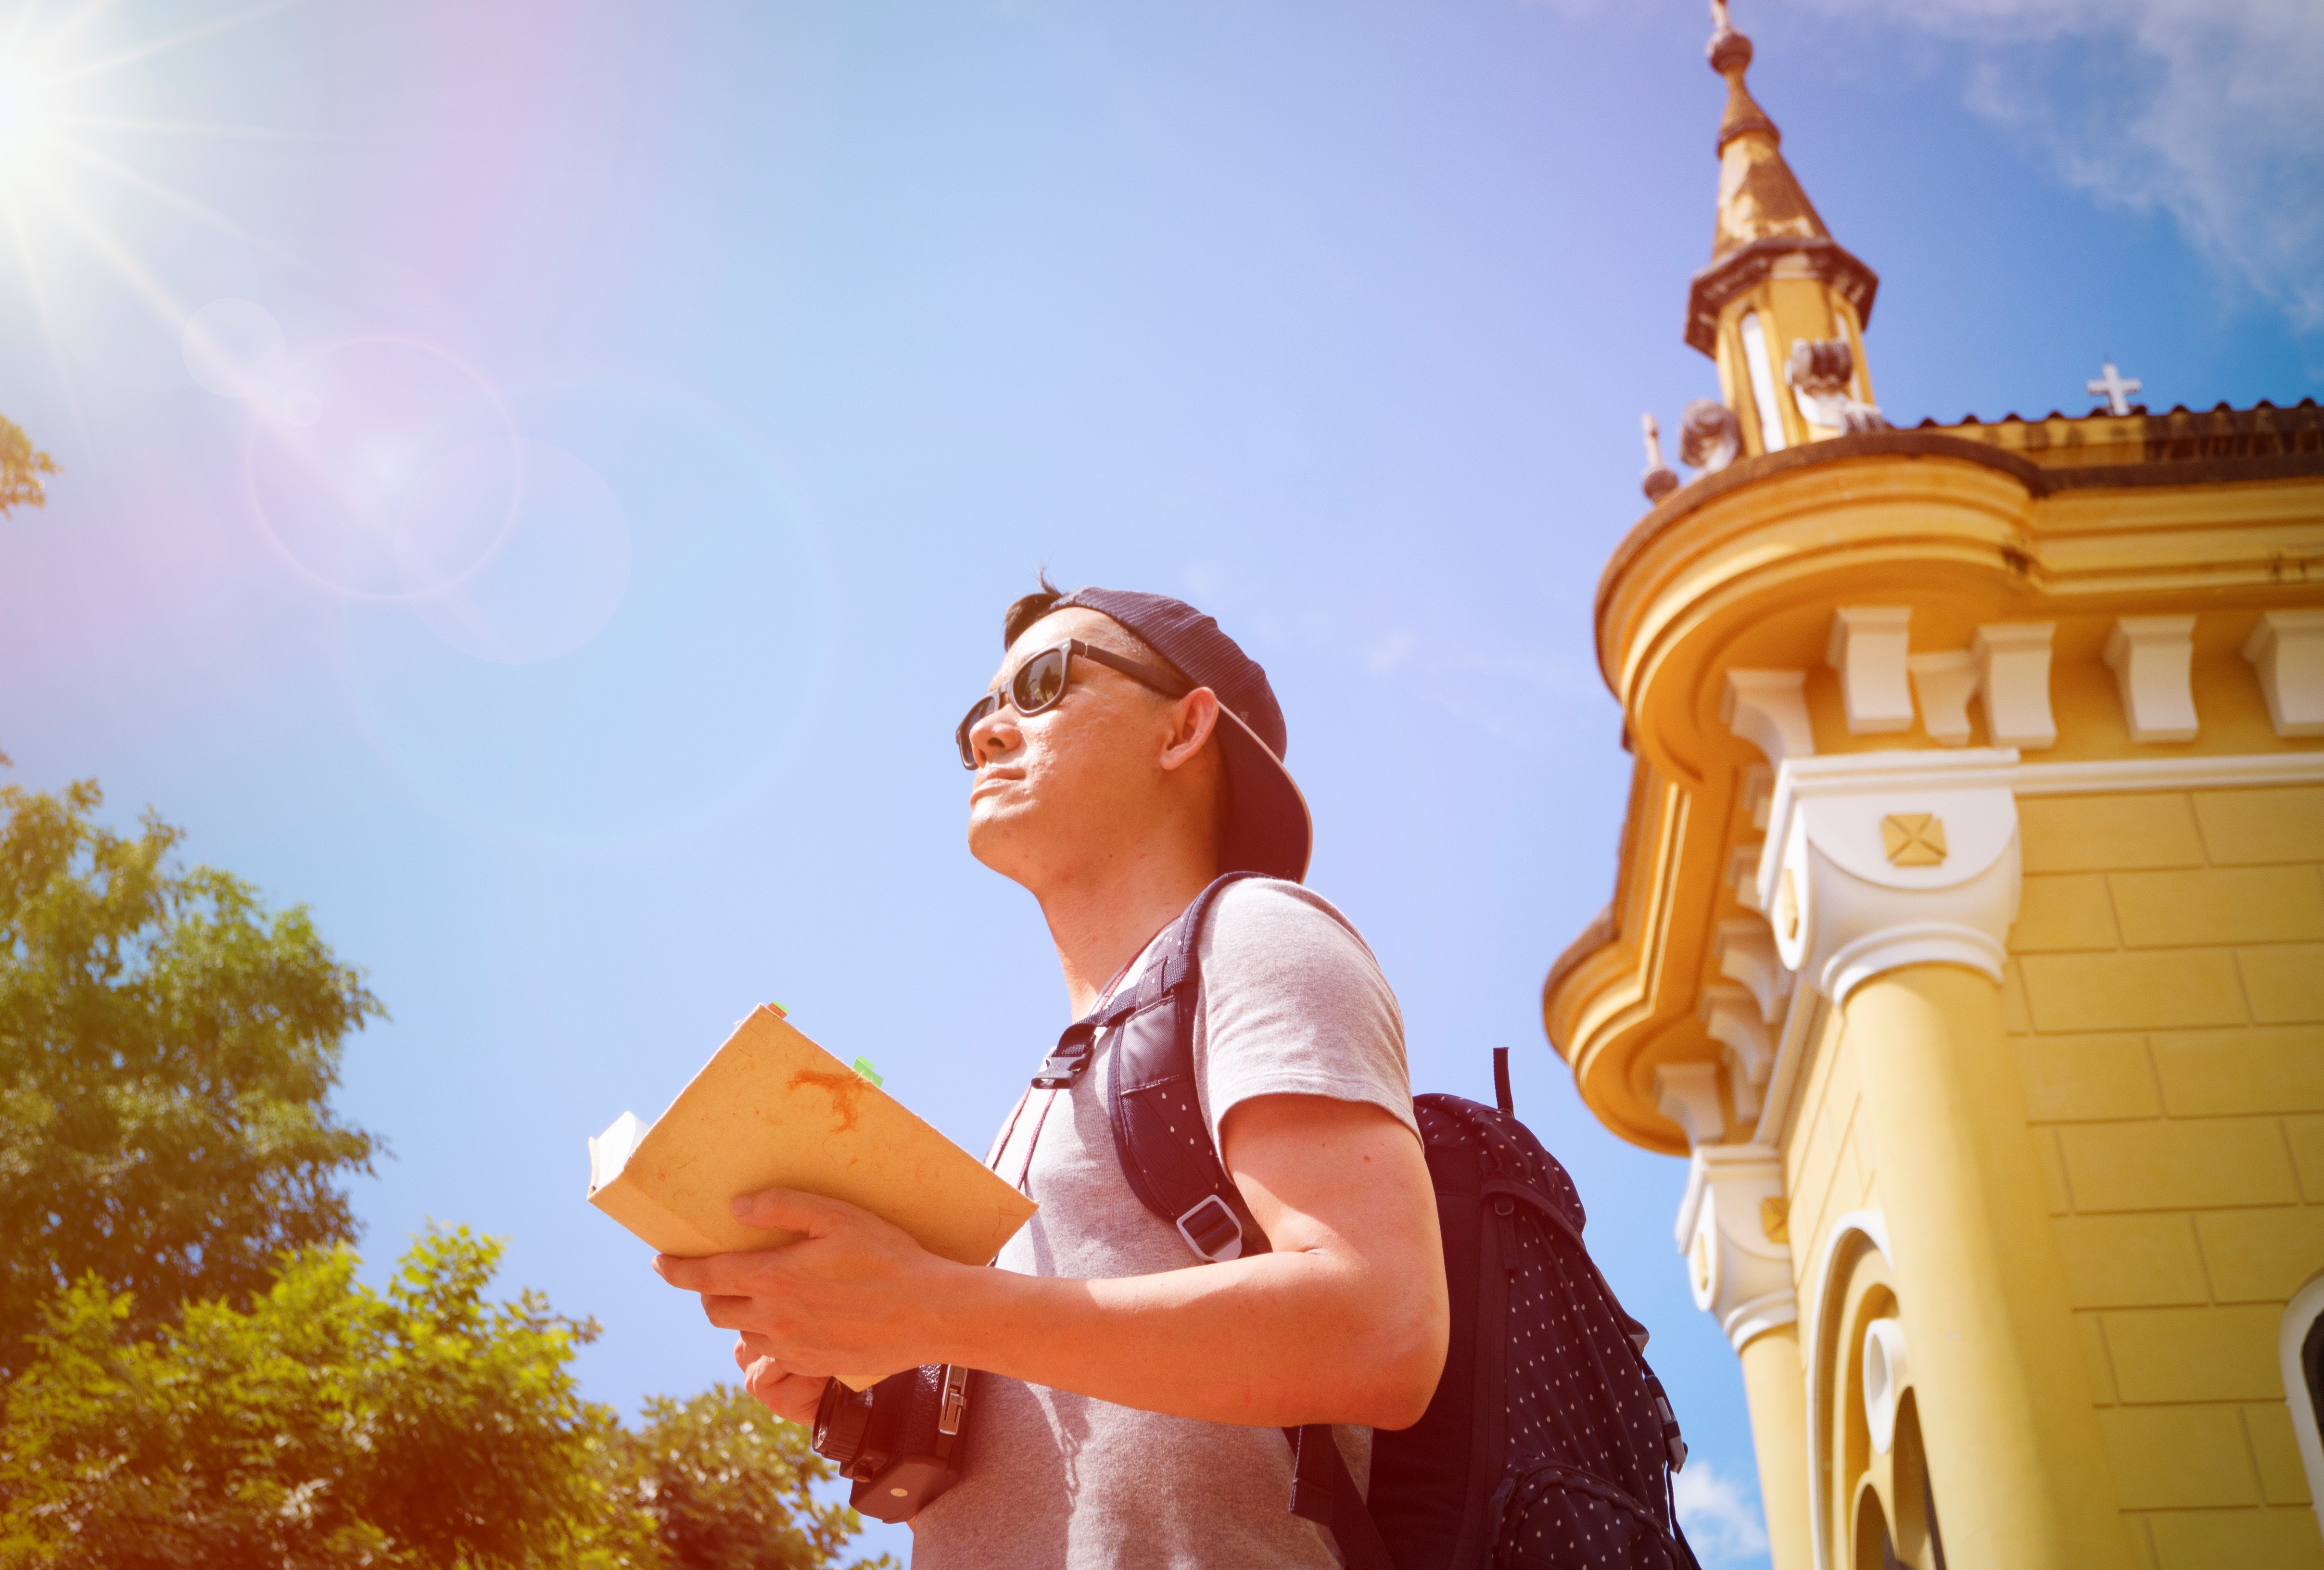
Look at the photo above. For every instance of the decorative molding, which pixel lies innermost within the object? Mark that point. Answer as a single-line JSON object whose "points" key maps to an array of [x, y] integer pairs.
{"points": [[2013, 681], [1744, 269], [1867, 647], [1888, 1375], [2287, 649], [1708, 435], [1872, 1227], [1746, 953], [1944, 684], [1845, 911], [1738, 1274], [2153, 659], [1791, 1052], [1743, 874], [2103, 775], [1688, 1095], [1914, 839], [1733, 1018], [2300, 1316], [1770, 709]]}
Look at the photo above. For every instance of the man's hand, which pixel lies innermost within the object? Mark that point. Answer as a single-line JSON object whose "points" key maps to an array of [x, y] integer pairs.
{"points": [[853, 1296], [790, 1395], [1345, 1321]]}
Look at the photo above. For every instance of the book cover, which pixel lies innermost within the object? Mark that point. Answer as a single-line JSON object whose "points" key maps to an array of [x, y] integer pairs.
{"points": [[773, 1110]]}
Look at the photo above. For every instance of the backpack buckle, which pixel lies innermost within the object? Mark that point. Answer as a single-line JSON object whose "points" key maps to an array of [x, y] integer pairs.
{"points": [[1060, 1069], [1212, 1230]]}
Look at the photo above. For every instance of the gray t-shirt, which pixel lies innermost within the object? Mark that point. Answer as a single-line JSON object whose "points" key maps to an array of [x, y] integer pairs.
{"points": [[1293, 1003]]}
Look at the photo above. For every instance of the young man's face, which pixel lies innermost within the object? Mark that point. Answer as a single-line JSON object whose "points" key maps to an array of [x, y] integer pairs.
{"points": [[1057, 793]]}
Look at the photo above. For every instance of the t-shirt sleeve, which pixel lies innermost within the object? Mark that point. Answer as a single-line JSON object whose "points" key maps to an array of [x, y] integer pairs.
{"points": [[1294, 1004]]}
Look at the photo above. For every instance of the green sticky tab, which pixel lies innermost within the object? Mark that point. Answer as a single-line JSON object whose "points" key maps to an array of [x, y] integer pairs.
{"points": [[863, 1066]]}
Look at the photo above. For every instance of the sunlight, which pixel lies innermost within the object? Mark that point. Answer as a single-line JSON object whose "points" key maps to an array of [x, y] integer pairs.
{"points": [[24, 119], [64, 91]]}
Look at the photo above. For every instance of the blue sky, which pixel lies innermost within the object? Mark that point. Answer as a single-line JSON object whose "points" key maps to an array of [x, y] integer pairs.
{"points": [[813, 330]]}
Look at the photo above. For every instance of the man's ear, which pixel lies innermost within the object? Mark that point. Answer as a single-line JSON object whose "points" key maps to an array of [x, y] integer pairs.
{"points": [[1193, 718]]}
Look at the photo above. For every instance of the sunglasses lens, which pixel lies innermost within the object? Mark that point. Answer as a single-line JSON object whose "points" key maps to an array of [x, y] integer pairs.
{"points": [[1039, 682], [976, 711]]}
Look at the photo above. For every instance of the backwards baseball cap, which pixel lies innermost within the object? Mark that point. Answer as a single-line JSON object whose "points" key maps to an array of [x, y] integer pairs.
{"points": [[1267, 829]]}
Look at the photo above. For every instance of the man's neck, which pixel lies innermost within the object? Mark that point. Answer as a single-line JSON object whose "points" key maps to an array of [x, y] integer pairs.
{"points": [[1101, 921]]}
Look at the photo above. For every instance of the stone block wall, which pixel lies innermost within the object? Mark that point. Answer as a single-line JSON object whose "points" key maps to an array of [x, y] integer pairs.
{"points": [[2165, 1000]]}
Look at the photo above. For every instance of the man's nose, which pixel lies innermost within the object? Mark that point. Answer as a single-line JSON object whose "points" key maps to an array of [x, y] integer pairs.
{"points": [[995, 735]]}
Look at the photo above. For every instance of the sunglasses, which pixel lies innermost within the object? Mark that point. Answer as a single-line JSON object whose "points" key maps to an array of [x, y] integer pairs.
{"points": [[1039, 682]]}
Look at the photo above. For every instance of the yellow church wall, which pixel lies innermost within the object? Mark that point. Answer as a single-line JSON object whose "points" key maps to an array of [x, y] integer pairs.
{"points": [[1825, 1175], [2165, 1003], [2041, 1238]]}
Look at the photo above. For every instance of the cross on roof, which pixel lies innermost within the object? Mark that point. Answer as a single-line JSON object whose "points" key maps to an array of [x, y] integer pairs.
{"points": [[2115, 388]]}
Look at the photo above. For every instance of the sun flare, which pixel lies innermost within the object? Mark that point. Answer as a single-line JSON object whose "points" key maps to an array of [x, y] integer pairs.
{"points": [[73, 128]]}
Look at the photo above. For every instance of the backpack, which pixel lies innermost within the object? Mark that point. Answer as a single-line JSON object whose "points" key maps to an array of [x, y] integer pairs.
{"points": [[1549, 1440]]}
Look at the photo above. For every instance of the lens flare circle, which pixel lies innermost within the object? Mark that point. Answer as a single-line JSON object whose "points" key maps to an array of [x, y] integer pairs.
{"points": [[336, 468], [554, 579], [689, 700]]}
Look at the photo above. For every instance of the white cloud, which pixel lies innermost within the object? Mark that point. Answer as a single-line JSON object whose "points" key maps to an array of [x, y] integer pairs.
{"points": [[1722, 1517], [2205, 109]]}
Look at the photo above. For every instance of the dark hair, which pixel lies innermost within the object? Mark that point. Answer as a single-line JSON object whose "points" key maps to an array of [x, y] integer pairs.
{"points": [[1028, 609]]}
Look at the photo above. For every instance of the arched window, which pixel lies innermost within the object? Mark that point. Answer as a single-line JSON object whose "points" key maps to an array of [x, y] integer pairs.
{"points": [[1764, 394], [2302, 1347]]}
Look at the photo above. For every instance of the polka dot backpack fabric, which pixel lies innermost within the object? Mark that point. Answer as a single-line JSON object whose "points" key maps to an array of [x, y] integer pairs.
{"points": [[1549, 1442]]}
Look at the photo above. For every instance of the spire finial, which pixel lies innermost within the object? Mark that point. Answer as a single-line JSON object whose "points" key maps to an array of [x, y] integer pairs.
{"points": [[1730, 51], [1660, 479]]}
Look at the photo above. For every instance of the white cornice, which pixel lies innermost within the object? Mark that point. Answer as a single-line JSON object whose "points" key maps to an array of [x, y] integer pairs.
{"points": [[2193, 773]]}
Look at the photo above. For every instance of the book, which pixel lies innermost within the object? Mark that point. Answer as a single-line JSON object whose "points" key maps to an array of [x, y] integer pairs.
{"points": [[773, 1110]]}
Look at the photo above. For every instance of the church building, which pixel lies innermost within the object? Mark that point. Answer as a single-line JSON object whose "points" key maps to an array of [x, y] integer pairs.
{"points": [[1967, 935]]}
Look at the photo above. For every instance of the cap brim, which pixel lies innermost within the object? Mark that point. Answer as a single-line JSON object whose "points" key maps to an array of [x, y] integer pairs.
{"points": [[1268, 830]]}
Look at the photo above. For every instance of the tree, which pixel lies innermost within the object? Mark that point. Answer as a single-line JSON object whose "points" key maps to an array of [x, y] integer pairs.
{"points": [[727, 1485], [199, 1377], [166, 1050], [327, 1425], [21, 465]]}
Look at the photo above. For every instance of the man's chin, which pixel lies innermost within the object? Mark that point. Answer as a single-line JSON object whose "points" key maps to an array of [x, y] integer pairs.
{"points": [[992, 825]]}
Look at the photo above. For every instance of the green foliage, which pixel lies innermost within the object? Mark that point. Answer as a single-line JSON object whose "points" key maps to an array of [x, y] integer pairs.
{"points": [[198, 1378], [326, 1426], [726, 1483], [21, 465], [166, 1047]]}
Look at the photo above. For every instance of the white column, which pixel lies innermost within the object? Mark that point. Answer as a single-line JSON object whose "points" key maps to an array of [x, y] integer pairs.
{"points": [[1877, 860], [1741, 1275]]}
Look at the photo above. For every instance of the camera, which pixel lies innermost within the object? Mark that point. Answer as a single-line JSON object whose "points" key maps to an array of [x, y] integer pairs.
{"points": [[898, 1442]]}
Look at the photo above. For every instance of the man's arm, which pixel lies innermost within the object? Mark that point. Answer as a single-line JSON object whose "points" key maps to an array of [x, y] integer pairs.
{"points": [[1344, 1322]]}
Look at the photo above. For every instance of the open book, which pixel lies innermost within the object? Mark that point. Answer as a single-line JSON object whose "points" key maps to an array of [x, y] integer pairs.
{"points": [[773, 1110]]}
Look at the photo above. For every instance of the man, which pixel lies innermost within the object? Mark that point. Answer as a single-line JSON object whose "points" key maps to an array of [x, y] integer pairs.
{"points": [[1130, 1409]]}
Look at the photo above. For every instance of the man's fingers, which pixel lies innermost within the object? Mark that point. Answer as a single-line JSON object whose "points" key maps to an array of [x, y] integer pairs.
{"points": [[719, 1273], [790, 1210], [787, 1395]]}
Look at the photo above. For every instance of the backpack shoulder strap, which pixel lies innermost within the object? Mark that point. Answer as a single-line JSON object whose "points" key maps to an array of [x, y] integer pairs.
{"points": [[1154, 1107], [1174, 1170]]}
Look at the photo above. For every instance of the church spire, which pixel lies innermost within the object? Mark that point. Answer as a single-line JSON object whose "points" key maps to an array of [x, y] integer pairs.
{"points": [[1779, 289], [1759, 198]]}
